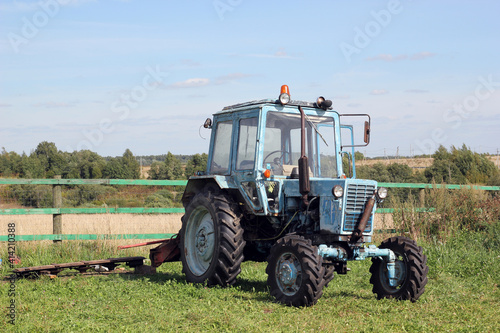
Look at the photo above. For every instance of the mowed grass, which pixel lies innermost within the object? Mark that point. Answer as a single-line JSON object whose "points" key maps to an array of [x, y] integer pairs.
{"points": [[462, 295]]}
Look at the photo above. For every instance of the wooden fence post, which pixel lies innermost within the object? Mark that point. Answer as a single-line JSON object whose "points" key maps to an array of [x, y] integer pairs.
{"points": [[422, 197], [57, 218]]}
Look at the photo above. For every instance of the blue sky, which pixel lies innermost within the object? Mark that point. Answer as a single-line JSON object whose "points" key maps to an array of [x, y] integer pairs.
{"points": [[144, 75]]}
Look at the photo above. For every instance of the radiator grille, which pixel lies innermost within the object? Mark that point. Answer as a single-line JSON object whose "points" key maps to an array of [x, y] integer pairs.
{"points": [[357, 196]]}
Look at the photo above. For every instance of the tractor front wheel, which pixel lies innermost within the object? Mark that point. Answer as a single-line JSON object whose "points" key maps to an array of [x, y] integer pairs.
{"points": [[211, 240], [295, 271], [411, 271]]}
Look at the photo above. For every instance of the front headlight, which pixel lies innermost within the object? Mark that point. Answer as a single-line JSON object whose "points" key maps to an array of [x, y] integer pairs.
{"points": [[337, 191], [382, 193]]}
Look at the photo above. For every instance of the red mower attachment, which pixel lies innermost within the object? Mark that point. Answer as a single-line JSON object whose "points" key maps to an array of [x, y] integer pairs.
{"points": [[167, 251]]}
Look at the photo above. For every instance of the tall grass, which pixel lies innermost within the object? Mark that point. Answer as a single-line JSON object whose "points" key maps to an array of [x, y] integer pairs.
{"points": [[441, 214]]}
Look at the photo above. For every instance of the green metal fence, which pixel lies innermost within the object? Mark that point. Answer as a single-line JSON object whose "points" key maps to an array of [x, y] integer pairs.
{"points": [[57, 212]]}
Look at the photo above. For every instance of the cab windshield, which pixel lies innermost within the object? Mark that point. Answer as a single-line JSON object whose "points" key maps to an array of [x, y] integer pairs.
{"points": [[282, 144]]}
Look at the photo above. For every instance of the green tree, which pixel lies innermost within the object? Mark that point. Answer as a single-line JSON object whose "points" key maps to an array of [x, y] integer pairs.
{"points": [[32, 167], [198, 163], [85, 164], [10, 163], [51, 160], [377, 172], [400, 173], [358, 156], [157, 170], [115, 169], [460, 166], [171, 168], [124, 167], [130, 163]]}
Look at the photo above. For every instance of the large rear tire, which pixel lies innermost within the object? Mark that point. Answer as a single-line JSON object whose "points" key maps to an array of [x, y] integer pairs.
{"points": [[211, 240], [295, 271], [411, 270]]}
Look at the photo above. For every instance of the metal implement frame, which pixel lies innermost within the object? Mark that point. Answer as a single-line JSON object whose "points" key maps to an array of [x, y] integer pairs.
{"points": [[338, 253], [81, 266]]}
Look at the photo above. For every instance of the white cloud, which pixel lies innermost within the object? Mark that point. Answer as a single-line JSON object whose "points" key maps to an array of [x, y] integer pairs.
{"points": [[52, 104], [388, 57], [191, 83], [378, 92], [190, 63], [417, 91], [264, 55], [28, 6], [392, 58], [280, 54], [422, 55], [201, 82], [230, 77]]}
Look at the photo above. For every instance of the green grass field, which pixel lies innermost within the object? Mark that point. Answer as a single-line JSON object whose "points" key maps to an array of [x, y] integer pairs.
{"points": [[462, 295]]}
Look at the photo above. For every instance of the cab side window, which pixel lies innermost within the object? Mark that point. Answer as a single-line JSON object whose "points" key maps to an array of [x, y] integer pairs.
{"points": [[247, 140], [222, 148]]}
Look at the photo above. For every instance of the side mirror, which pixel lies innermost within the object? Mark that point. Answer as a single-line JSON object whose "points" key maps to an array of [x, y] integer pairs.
{"points": [[367, 132]]}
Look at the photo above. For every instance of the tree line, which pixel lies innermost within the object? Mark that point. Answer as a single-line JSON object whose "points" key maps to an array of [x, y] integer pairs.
{"points": [[46, 161], [453, 166]]}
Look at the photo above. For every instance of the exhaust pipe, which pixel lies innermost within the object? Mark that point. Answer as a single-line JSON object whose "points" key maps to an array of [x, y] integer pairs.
{"points": [[304, 185], [358, 232]]}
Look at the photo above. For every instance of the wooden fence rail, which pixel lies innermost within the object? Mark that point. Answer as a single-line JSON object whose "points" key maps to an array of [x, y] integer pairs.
{"points": [[58, 211]]}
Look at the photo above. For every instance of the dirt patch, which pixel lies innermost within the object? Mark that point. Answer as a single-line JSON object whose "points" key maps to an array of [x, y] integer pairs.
{"points": [[417, 163], [496, 160], [383, 221]]}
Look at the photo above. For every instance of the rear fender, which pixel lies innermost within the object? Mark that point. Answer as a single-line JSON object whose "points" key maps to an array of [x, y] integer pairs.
{"points": [[197, 183]]}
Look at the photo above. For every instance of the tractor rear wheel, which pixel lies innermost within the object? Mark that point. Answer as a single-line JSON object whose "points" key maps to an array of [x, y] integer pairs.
{"points": [[295, 271], [211, 240], [411, 270]]}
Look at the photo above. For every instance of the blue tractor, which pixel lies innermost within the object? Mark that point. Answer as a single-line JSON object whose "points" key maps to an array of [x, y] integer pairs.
{"points": [[276, 189]]}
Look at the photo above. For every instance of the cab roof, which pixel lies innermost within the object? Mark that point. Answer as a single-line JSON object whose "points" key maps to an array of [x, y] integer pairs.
{"points": [[245, 105]]}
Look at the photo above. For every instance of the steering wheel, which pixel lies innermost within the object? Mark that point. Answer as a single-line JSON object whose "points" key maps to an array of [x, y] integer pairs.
{"points": [[277, 160]]}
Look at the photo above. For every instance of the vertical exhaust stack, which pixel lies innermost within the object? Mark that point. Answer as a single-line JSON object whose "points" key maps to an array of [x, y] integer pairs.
{"points": [[304, 185]]}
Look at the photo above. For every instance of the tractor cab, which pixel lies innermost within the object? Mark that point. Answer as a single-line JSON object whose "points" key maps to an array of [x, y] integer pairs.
{"points": [[261, 148]]}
